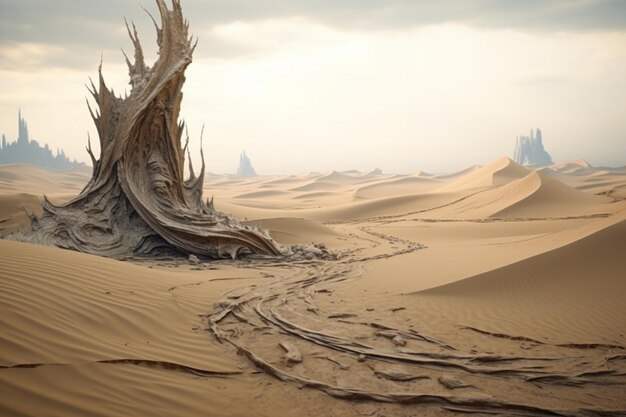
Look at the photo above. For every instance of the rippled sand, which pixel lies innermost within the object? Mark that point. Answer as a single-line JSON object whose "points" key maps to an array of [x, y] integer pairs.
{"points": [[495, 290]]}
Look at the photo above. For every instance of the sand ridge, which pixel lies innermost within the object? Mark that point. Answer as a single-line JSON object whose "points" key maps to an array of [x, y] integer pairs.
{"points": [[493, 290]]}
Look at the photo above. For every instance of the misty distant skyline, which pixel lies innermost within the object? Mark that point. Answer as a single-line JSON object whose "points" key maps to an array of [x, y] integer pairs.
{"points": [[315, 85]]}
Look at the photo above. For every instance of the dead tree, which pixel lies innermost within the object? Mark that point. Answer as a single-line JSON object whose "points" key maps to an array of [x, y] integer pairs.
{"points": [[137, 201]]}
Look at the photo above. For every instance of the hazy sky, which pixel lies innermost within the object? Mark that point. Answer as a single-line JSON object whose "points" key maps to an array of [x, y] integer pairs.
{"points": [[314, 85]]}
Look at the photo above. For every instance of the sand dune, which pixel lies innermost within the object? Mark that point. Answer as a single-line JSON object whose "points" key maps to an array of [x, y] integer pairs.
{"points": [[36, 180], [22, 188], [522, 193], [339, 177], [475, 246], [284, 181], [54, 311], [94, 336], [578, 260], [595, 184], [317, 186], [382, 207], [498, 172], [315, 195], [420, 173], [398, 186], [459, 174], [577, 167], [533, 196], [588, 179], [261, 194], [14, 211], [617, 193], [552, 198], [335, 180], [371, 173], [294, 230], [585, 279], [495, 290]]}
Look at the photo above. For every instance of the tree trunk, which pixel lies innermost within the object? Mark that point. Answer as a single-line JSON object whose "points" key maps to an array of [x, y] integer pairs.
{"points": [[137, 201]]}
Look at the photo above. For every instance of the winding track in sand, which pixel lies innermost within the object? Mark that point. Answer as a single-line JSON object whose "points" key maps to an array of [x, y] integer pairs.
{"points": [[395, 365]]}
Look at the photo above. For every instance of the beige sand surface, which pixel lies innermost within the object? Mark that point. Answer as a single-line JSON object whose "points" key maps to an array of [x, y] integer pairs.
{"points": [[496, 290], [499, 172], [37, 180], [22, 188]]}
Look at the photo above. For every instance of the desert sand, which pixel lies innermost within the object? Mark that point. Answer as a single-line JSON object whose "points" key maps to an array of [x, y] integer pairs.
{"points": [[495, 290]]}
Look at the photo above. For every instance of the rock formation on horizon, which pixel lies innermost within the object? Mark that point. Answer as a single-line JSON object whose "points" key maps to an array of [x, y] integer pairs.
{"points": [[529, 150], [27, 151], [245, 166], [137, 201]]}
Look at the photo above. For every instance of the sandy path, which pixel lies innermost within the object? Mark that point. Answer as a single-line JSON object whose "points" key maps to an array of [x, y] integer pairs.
{"points": [[363, 354]]}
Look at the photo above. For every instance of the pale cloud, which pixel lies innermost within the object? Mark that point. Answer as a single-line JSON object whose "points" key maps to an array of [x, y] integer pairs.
{"points": [[317, 85], [98, 24], [21, 56], [413, 99]]}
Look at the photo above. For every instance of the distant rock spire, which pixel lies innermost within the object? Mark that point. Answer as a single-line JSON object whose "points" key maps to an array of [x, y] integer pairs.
{"points": [[22, 128], [539, 138], [245, 166], [27, 151], [529, 149]]}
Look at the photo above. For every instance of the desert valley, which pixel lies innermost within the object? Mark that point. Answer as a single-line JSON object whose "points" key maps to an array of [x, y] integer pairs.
{"points": [[497, 289], [140, 285]]}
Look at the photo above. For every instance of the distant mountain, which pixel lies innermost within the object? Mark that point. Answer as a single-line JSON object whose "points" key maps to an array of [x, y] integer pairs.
{"points": [[529, 150], [245, 166], [27, 151]]}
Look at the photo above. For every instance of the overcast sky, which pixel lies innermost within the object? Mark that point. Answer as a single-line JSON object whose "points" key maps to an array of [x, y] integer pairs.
{"points": [[314, 85]]}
